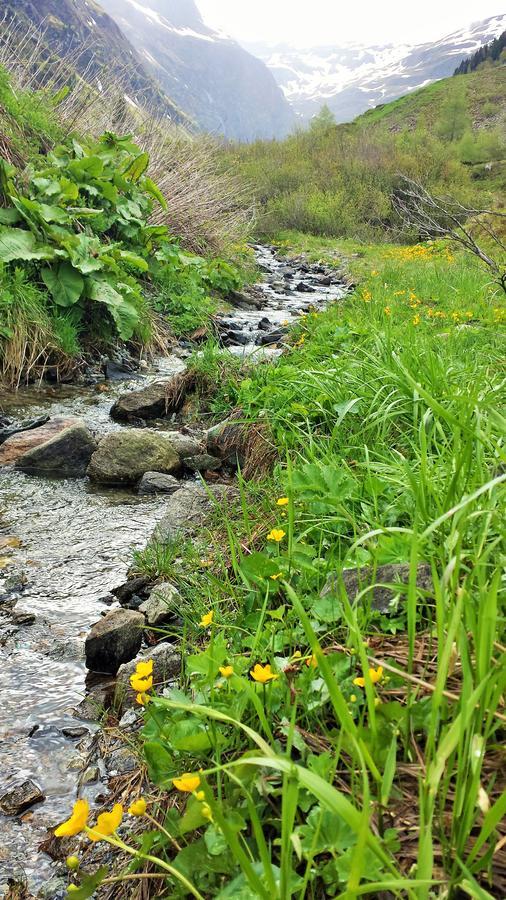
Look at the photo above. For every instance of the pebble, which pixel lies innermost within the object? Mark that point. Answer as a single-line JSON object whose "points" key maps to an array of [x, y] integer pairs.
{"points": [[20, 797]]}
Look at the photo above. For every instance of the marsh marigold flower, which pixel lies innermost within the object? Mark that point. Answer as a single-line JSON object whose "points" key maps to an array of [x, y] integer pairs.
{"points": [[263, 674], [276, 534], [144, 669], [107, 823], [207, 619], [375, 675], [77, 821], [138, 807], [282, 501], [187, 783], [226, 671], [312, 662], [387, 310], [416, 319], [141, 684]]}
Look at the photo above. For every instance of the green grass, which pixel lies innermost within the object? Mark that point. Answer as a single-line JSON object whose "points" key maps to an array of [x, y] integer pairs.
{"points": [[391, 444]]}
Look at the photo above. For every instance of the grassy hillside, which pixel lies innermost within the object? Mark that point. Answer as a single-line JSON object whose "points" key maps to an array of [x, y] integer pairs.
{"points": [[339, 180], [485, 102]]}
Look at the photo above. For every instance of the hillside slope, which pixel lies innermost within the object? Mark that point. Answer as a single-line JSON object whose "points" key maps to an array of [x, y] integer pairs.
{"points": [[221, 86], [94, 45]]}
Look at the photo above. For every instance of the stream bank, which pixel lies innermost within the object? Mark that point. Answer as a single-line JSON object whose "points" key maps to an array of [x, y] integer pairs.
{"points": [[75, 546]]}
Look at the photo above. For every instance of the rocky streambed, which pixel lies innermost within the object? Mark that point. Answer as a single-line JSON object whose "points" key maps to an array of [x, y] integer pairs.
{"points": [[75, 501]]}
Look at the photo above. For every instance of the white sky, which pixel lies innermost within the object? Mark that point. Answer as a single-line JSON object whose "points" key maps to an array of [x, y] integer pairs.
{"points": [[315, 22]]}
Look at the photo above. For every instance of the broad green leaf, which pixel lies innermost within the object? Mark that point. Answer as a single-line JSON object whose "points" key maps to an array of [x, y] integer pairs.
{"points": [[151, 188], [122, 311], [9, 216], [84, 253], [134, 260], [18, 244], [65, 283], [137, 167]]}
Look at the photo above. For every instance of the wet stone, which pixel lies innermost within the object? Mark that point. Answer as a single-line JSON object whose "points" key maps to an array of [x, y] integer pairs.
{"points": [[113, 640], [157, 483], [20, 797], [203, 462], [74, 731]]}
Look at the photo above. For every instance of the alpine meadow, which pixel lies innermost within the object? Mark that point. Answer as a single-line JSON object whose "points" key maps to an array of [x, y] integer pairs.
{"points": [[252, 455]]}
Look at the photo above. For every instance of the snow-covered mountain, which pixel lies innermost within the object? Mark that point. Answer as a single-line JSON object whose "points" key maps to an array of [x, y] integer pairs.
{"points": [[352, 78], [221, 86]]}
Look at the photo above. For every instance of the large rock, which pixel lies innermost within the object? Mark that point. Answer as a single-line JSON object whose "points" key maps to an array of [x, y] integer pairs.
{"points": [[386, 583], [123, 457], [156, 483], [187, 509], [113, 640], [187, 444], [21, 443], [20, 797], [166, 667], [67, 454], [163, 602], [161, 398]]}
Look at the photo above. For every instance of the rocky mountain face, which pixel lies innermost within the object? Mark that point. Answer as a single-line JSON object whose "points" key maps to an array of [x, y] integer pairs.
{"points": [[93, 44], [221, 86], [353, 77]]}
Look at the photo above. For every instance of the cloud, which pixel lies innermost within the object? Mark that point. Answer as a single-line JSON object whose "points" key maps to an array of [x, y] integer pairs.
{"points": [[337, 21]]}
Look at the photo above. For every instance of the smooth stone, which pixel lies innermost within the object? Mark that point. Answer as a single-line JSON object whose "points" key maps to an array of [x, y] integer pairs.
{"points": [[123, 457], [381, 596], [274, 337], [114, 639], [186, 510], [20, 797], [157, 483], [304, 288], [90, 775], [19, 444], [74, 731], [66, 455], [124, 592], [163, 601], [186, 444]]}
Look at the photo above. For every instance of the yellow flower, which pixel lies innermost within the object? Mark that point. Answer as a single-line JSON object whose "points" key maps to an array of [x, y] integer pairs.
{"points": [[226, 671], [200, 795], [416, 319], [207, 619], [312, 661], [138, 807], [142, 699], [282, 501], [300, 342], [72, 862], [187, 782], [374, 675], [77, 821], [143, 669], [275, 577], [374, 273], [277, 534], [107, 823], [263, 674], [387, 310], [139, 684], [366, 296]]}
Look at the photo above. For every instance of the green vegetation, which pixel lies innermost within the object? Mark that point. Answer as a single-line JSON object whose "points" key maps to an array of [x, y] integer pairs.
{"points": [[341, 180], [82, 263], [317, 744]]}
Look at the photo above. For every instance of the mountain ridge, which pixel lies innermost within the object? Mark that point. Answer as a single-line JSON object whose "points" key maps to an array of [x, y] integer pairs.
{"points": [[355, 77]]}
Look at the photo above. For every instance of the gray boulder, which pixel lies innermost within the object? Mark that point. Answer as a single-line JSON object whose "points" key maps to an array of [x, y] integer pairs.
{"points": [[187, 444], [149, 402], [163, 601], [123, 457], [114, 639], [386, 583], [67, 454], [166, 668], [186, 510], [20, 797], [156, 483]]}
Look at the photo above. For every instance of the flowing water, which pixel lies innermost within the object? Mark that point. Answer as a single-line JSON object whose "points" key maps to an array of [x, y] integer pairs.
{"points": [[76, 544]]}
